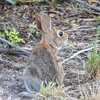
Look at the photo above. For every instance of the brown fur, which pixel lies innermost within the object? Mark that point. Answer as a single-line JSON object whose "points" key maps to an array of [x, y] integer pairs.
{"points": [[42, 63]]}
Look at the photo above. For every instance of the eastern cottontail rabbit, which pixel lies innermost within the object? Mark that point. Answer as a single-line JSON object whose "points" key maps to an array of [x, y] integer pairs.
{"points": [[42, 63]]}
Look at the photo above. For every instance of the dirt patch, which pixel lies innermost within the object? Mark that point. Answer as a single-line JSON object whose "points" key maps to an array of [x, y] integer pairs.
{"points": [[78, 21]]}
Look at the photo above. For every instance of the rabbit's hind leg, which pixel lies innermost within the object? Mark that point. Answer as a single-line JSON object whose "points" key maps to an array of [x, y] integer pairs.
{"points": [[32, 84], [32, 80]]}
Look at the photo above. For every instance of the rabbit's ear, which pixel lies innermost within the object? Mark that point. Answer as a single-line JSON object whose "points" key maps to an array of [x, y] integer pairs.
{"points": [[45, 23], [38, 20]]}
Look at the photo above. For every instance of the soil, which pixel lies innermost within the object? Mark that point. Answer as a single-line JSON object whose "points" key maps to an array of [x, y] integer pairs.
{"points": [[79, 85]]}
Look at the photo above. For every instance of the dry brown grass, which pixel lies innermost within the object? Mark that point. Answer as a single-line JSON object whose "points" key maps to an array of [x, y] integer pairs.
{"points": [[91, 91]]}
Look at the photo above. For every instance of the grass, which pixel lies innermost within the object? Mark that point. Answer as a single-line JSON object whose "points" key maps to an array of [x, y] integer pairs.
{"points": [[52, 91], [94, 59], [91, 91]]}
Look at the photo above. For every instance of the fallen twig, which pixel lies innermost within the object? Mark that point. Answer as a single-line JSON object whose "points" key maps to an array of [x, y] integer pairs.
{"points": [[77, 54], [81, 28], [90, 12], [12, 51], [3, 40], [88, 5], [90, 20], [13, 64]]}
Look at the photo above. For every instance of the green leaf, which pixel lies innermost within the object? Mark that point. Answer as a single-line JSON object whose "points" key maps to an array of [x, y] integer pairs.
{"points": [[16, 37], [33, 0], [42, 88], [10, 33], [31, 31], [98, 28], [97, 19], [5, 26], [6, 31], [21, 40], [12, 36], [1, 34], [14, 31], [17, 33]]}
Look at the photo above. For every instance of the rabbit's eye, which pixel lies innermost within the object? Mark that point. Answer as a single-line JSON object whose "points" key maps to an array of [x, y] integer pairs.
{"points": [[60, 33]]}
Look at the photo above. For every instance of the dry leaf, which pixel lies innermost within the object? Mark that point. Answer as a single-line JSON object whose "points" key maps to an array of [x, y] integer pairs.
{"points": [[72, 21], [1, 18], [52, 15], [25, 6], [83, 33], [94, 4], [53, 4], [91, 1], [89, 24], [74, 25]]}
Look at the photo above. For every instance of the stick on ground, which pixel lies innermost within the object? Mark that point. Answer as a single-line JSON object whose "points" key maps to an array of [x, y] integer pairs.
{"points": [[88, 5], [3, 40], [74, 55]]}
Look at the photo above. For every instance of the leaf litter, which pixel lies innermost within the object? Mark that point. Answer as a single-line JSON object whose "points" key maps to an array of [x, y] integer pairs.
{"points": [[81, 25]]}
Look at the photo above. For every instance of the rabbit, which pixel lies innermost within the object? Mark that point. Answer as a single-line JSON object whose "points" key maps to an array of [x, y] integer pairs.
{"points": [[42, 63]]}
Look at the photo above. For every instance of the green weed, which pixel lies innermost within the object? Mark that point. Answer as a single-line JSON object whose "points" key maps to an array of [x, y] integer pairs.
{"points": [[13, 36], [51, 90], [97, 19], [1, 34], [94, 58], [31, 27], [47, 90]]}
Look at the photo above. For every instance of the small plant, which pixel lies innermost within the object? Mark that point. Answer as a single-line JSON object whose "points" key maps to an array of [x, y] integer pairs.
{"points": [[33, 0], [1, 34], [47, 90], [97, 19], [31, 27], [12, 36], [94, 58], [51, 90]]}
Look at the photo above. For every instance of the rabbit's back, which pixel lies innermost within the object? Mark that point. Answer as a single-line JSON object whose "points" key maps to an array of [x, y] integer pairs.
{"points": [[42, 64]]}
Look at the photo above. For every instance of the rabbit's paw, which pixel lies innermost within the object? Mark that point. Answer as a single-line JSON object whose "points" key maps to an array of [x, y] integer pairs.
{"points": [[32, 95], [26, 94]]}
